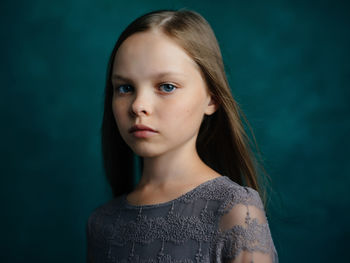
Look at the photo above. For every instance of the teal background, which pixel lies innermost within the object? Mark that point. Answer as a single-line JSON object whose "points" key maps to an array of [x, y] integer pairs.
{"points": [[288, 66]]}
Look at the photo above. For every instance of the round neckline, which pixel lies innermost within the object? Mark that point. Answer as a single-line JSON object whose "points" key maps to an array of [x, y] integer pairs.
{"points": [[127, 204]]}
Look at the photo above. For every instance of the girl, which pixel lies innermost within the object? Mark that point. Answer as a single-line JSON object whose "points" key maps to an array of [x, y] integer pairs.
{"points": [[167, 100]]}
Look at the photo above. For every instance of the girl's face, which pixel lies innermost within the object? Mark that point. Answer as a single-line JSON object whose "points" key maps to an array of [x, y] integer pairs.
{"points": [[155, 83]]}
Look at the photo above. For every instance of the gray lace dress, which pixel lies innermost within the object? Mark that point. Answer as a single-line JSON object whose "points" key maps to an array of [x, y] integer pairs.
{"points": [[218, 221]]}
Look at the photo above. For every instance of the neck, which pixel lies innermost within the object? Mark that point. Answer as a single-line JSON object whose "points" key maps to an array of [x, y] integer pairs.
{"points": [[182, 165]]}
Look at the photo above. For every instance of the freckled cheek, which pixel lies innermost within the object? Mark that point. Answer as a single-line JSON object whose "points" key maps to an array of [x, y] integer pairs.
{"points": [[181, 115]]}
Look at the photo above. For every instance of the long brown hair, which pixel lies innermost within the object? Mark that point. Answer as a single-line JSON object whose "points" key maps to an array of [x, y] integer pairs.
{"points": [[222, 142]]}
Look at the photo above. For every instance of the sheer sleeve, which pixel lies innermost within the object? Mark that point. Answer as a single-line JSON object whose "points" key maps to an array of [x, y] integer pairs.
{"points": [[244, 231], [94, 236]]}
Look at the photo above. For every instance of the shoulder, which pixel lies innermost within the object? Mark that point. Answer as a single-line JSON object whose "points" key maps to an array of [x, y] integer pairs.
{"points": [[240, 205], [104, 211], [243, 225], [231, 194]]}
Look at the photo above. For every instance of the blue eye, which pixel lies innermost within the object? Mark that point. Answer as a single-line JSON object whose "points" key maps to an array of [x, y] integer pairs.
{"points": [[168, 87], [120, 88]]}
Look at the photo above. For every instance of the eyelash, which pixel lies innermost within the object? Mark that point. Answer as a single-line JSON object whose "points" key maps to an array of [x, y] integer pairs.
{"points": [[117, 88]]}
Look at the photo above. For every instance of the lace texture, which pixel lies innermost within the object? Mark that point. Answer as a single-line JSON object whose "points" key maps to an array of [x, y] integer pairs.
{"points": [[218, 221]]}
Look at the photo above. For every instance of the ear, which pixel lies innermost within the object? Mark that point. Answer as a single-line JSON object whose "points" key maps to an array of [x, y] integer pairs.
{"points": [[212, 106]]}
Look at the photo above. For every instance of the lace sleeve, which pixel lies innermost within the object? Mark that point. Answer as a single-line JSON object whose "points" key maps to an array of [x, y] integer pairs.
{"points": [[94, 239], [244, 231]]}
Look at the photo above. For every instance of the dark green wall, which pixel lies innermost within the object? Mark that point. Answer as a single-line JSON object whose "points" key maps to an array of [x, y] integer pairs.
{"points": [[288, 65]]}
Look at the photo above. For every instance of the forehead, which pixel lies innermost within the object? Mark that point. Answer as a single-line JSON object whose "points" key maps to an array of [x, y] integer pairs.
{"points": [[144, 53]]}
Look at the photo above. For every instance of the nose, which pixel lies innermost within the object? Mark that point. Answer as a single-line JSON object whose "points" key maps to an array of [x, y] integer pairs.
{"points": [[141, 104]]}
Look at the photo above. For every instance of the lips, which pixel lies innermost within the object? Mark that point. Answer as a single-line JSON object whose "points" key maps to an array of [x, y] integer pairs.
{"points": [[140, 127]]}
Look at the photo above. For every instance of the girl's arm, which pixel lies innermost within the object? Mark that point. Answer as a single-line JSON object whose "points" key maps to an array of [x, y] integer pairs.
{"points": [[244, 233]]}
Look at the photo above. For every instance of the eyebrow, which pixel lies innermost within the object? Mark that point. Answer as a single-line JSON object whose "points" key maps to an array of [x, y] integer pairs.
{"points": [[158, 75]]}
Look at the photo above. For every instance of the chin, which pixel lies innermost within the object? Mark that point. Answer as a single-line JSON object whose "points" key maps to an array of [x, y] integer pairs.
{"points": [[144, 151]]}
